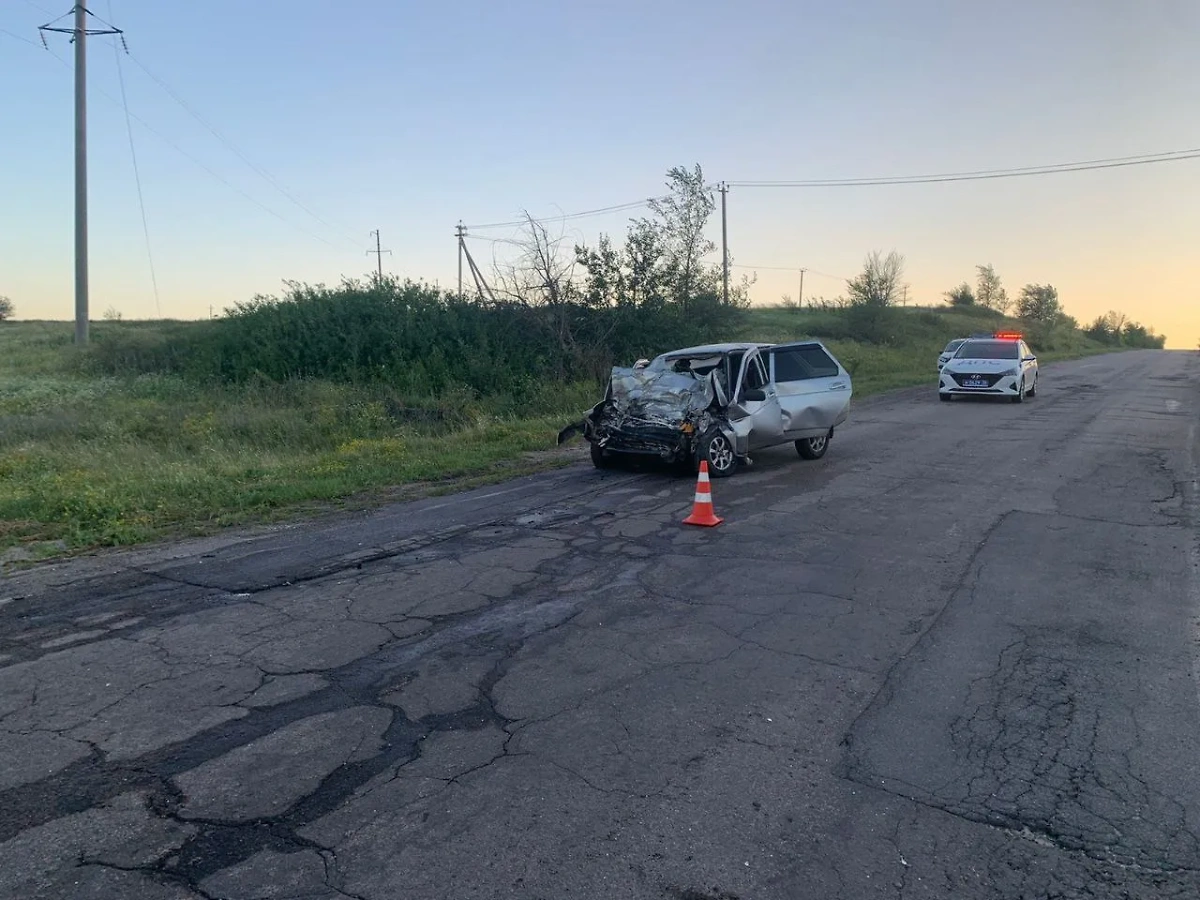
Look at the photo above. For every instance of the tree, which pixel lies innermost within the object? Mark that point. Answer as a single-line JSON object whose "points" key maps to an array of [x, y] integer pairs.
{"points": [[872, 296], [6, 308], [879, 284], [663, 260], [961, 296], [989, 293], [1039, 303], [541, 279], [682, 217]]}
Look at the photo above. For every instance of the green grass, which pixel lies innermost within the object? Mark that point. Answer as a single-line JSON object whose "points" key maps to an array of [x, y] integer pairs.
{"points": [[98, 461], [90, 460]]}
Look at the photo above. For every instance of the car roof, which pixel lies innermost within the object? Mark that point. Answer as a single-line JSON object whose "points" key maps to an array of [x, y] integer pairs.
{"points": [[715, 349]]}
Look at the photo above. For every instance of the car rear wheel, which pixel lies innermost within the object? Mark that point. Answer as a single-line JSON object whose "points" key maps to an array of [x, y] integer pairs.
{"points": [[813, 448], [718, 451]]}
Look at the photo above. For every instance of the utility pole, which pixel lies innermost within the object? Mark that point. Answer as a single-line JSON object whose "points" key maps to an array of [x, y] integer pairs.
{"points": [[724, 189], [378, 251], [800, 302], [79, 33], [460, 232]]}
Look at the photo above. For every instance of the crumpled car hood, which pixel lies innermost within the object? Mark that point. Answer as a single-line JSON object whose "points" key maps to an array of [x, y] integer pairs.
{"points": [[659, 395]]}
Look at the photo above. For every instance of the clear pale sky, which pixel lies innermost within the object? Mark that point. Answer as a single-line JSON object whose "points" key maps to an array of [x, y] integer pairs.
{"points": [[408, 117]]}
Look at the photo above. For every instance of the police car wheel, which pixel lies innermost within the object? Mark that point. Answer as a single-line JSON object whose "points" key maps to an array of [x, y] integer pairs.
{"points": [[1019, 397], [1033, 388]]}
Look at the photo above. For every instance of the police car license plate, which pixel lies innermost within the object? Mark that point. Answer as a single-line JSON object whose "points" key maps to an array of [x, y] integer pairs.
{"points": [[975, 382]]}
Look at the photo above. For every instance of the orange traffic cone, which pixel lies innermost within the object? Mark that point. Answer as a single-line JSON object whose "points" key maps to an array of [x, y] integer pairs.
{"points": [[702, 508]]}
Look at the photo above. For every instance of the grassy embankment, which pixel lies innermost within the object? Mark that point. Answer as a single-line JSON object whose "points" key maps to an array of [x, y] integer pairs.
{"points": [[121, 443]]}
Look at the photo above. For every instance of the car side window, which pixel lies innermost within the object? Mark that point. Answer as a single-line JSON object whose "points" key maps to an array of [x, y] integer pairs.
{"points": [[755, 376], [802, 363]]}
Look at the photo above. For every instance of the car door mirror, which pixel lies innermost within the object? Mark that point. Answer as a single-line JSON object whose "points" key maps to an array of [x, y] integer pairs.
{"points": [[755, 394], [1030, 359]]}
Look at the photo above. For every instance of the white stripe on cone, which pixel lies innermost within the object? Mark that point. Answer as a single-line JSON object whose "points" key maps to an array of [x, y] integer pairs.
{"points": [[706, 499]]}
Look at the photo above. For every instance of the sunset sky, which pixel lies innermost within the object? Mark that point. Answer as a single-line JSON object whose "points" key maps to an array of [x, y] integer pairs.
{"points": [[408, 117]]}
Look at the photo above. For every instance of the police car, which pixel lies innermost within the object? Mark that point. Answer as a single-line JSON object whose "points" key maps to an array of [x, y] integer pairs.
{"points": [[995, 365], [948, 351]]}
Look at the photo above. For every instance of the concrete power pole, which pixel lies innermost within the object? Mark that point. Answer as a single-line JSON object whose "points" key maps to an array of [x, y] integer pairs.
{"points": [[378, 251], [460, 232], [81, 192], [800, 301], [79, 34], [724, 189]]}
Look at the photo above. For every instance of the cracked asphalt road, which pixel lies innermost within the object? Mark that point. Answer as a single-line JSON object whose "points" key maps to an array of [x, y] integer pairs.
{"points": [[954, 659]]}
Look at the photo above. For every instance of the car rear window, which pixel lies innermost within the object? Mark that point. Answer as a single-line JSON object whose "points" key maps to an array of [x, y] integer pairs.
{"points": [[802, 363], [988, 350]]}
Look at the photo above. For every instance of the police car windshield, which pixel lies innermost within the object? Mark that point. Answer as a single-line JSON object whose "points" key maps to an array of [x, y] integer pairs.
{"points": [[988, 350]]}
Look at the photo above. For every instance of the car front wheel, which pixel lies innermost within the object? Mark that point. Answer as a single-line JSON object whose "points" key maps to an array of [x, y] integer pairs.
{"points": [[718, 452], [812, 448], [600, 457], [1019, 397]]}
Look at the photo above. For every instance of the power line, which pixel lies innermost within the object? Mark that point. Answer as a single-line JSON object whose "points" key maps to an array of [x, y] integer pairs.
{"points": [[166, 140], [985, 174], [604, 210], [788, 269], [261, 172], [24, 40], [975, 175], [137, 177]]}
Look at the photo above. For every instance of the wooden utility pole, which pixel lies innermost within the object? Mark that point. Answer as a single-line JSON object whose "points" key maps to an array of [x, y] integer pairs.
{"points": [[79, 33], [378, 251]]}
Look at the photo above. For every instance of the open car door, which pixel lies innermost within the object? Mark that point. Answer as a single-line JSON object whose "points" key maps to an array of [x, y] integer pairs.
{"points": [[755, 412]]}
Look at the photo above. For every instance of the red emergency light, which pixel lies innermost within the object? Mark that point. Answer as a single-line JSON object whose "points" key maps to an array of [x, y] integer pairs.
{"points": [[1008, 335]]}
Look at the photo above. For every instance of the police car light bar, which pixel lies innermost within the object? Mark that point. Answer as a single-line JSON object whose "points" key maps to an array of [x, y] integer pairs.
{"points": [[1007, 335]]}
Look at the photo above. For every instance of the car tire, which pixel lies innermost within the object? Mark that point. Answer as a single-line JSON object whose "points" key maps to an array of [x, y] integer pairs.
{"points": [[600, 457], [945, 398], [1033, 390], [1020, 395], [716, 449], [813, 448]]}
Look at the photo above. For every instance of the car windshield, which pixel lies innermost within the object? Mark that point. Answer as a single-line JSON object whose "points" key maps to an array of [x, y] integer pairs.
{"points": [[953, 345], [988, 350]]}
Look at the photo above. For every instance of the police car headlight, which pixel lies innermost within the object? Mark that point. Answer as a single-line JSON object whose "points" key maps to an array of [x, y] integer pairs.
{"points": [[1015, 370]]}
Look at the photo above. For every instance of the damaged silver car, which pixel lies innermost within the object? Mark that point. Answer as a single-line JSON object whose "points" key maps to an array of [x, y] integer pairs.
{"points": [[719, 403]]}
